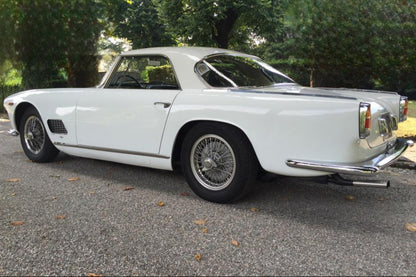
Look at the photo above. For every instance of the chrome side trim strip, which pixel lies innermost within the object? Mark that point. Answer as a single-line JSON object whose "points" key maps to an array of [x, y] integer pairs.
{"points": [[111, 150], [372, 166], [293, 94], [360, 90]]}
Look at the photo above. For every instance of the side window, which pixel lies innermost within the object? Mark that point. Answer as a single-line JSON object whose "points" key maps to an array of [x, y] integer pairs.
{"points": [[143, 72]]}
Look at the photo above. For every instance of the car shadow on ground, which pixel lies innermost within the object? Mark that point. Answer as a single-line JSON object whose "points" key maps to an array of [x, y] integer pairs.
{"points": [[303, 200]]}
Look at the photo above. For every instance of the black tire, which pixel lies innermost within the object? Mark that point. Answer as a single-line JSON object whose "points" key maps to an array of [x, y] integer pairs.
{"points": [[218, 162], [34, 138]]}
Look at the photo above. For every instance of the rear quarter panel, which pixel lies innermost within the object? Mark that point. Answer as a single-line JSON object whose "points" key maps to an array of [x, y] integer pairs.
{"points": [[280, 127]]}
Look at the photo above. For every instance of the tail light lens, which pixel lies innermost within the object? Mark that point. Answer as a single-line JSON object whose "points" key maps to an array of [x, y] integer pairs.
{"points": [[365, 120], [404, 104]]}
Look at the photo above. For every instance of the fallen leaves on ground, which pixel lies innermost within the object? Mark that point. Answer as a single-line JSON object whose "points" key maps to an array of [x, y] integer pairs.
{"points": [[235, 243], [94, 275], [128, 188], [382, 199], [411, 227], [59, 162], [55, 176], [73, 179], [58, 217], [254, 209], [200, 222], [161, 204], [349, 198], [13, 194], [13, 180], [185, 194], [17, 223], [204, 230], [198, 257], [92, 192]]}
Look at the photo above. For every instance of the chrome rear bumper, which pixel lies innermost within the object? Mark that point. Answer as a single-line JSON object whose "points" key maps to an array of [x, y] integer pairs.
{"points": [[372, 166]]}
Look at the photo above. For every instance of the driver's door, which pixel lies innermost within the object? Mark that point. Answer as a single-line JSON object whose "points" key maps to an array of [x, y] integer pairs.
{"points": [[130, 112]]}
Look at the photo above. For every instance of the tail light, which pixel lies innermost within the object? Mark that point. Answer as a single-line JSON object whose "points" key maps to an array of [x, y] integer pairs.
{"points": [[404, 104], [365, 120]]}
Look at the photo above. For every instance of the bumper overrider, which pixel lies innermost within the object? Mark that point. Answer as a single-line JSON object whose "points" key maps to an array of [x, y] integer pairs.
{"points": [[368, 167]]}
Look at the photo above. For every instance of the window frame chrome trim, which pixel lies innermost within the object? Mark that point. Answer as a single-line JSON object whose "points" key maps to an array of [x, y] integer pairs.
{"points": [[118, 60]]}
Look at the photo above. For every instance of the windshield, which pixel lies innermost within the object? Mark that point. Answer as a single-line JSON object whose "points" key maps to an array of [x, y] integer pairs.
{"points": [[239, 71]]}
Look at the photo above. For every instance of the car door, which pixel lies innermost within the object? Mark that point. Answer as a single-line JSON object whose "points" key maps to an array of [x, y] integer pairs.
{"points": [[129, 113]]}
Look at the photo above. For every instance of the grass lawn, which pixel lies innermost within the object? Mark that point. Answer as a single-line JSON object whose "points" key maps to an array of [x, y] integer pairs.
{"points": [[408, 128]]}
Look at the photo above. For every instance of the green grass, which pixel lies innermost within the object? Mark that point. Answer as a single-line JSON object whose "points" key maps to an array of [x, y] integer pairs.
{"points": [[408, 128]]}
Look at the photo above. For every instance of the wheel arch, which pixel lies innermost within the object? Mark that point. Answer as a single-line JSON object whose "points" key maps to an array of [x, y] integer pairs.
{"points": [[176, 152], [19, 111]]}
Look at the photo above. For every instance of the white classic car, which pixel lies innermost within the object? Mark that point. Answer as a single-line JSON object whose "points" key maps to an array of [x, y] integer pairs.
{"points": [[221, 115]]}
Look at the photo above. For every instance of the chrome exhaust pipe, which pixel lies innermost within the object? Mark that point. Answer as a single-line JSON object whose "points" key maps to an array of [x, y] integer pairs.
{"points": [[338, 180]]}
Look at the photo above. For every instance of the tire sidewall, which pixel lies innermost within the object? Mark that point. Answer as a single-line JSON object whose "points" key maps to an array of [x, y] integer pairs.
{"points": [[245, 169], [48, 151]]}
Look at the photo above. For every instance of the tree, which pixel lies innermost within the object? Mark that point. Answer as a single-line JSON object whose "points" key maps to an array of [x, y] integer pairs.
{"points": [[52, 39], [39, 41], [138, 20], [354, 43], [395, 36], [82, 29], [226, 23]]}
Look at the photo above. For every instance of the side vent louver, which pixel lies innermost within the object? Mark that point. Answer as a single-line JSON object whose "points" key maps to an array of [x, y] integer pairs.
{"points": [[57, 126]]}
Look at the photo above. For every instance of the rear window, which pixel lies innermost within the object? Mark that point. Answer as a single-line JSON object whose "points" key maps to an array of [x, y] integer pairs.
{"points": [[239, 71]]}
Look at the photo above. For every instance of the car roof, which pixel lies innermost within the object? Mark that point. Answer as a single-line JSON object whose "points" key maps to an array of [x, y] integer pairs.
{"points": [[183, 60], [196, 53]]}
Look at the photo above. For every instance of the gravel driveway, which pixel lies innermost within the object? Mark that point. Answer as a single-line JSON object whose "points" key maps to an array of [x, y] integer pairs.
{"points": [[80, 216]]}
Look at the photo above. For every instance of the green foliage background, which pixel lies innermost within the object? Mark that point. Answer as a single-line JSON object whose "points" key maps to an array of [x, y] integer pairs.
{"points": [[337, 43]]}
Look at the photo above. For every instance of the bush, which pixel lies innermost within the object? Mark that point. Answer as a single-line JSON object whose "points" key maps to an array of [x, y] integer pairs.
{"points": [[6, 91]]}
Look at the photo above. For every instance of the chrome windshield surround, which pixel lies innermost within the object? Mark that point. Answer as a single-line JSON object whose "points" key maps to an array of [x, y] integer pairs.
{"points": [[368, 167], [111, 150]]}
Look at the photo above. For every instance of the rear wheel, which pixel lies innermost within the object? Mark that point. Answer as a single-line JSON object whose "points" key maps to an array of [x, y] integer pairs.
{"points": [[34, 138], [218, 162]]}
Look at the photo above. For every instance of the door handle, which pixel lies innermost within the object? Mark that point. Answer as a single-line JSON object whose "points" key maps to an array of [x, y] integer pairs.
{"points": [[165, 104]]}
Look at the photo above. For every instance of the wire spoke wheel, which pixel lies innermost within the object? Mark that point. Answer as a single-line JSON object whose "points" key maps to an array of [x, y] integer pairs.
{"points": [[34, 134], [213, 162]]}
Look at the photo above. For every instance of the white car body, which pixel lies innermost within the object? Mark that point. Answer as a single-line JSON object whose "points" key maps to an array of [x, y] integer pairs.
{"points": [[293, 130]]}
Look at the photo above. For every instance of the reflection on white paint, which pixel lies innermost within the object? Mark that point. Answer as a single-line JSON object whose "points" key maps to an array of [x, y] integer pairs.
{"points": [[63, 111]]}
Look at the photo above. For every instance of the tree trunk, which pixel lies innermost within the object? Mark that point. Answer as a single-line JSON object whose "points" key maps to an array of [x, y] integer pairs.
{"points": [[222, 29], [82, 71]]}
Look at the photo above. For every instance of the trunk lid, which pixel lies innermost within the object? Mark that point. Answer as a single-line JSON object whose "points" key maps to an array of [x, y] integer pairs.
{"points": [[384, 105]]}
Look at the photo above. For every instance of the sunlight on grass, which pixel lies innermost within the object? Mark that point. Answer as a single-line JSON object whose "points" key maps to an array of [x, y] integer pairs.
{"points": [[408, 128]]}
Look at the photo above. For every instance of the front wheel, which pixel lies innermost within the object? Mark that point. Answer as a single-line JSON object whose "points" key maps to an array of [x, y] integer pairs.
{"points": [[34, 138], [218, 162]]}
